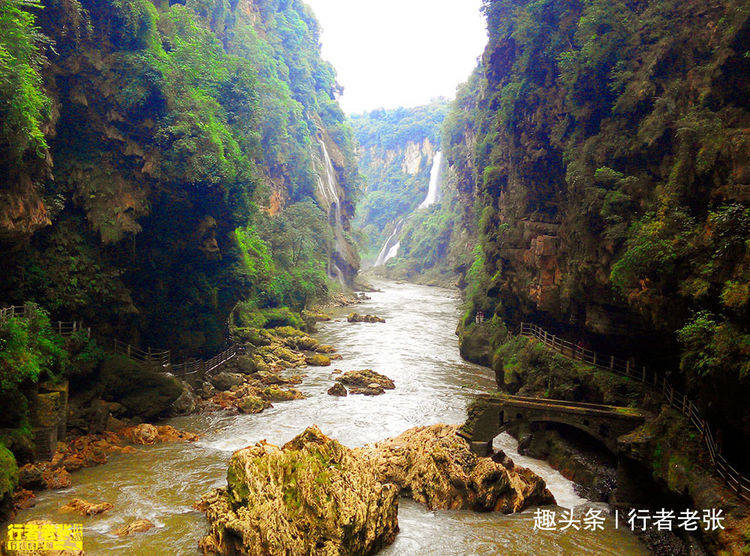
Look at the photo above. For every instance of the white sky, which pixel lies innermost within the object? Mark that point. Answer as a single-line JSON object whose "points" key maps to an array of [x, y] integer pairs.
{"points": [[390, 53]]}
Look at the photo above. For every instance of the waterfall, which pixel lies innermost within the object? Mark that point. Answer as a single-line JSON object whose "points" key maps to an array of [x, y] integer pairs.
{"points": [[328, 190], [390, 248], [434, 190], [392, 244]]}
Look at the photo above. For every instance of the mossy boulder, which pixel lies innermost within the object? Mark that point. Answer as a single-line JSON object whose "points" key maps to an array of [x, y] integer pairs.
{"points": [[356, 317], [318, 360], [144, 391], [365, 379], [276, 394], [437, 468], [252, 404], [250, 364], [311, 496], [8, 477]]}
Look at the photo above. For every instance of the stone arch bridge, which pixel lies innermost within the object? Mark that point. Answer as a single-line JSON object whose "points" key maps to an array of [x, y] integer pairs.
{"points": [[491, 414]]}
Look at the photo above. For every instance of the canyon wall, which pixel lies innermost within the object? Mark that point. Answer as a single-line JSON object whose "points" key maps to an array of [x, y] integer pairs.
{"points": [[161, 163], [608, 150]]}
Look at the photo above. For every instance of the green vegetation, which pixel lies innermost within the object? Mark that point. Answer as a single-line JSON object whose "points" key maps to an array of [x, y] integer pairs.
{"points": [[30, 352], [8, 476], [161, 163]]}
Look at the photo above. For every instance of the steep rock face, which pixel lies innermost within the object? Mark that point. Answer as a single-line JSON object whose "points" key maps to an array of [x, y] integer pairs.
{"points": [[312, 495], [435, 467], [165, 122], [610, 163]]}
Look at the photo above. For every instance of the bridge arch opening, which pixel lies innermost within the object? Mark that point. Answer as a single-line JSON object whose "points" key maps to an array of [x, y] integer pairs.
{"points": [[591, 445]]}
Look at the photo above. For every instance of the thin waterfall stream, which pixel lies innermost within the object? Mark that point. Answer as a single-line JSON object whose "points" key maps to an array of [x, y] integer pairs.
{"points": [[418, 349]]}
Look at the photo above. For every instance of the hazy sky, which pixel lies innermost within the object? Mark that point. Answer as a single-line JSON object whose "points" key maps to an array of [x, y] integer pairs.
{"points": [[391, 53]]}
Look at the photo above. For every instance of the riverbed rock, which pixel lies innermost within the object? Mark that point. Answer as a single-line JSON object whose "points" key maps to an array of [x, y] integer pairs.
{"points": [[183, 405], [83, 507], [337, 389], [137, 526], [226, 381], [366, 382], [276, 394], [251, 404], [311, 496], [356, 317], [437, 468], [318, 360]]}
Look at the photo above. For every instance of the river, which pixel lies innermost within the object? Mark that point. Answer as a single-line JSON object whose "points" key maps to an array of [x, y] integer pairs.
{"points": [[418, 349]]}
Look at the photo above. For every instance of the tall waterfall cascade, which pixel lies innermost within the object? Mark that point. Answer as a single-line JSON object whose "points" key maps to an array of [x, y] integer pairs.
{"points": [[433, 191], [392, 244], [328, 190]]}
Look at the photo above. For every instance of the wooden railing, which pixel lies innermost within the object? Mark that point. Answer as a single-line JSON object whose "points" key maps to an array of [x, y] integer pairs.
{"points": [[63, 328], [160, 358], [679, 401], [204, 367]]}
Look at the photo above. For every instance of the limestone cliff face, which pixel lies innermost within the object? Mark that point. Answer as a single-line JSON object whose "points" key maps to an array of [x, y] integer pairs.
{"points": [[610, 171], [167, 126]]}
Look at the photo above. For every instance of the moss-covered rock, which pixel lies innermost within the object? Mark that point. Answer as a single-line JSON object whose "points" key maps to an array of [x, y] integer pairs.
{"points": [[356, 317], [8, 477], [318, 360], [312, 496], [252, 404], [146, 392], [366, 378], [276, 394], [437, 468]]}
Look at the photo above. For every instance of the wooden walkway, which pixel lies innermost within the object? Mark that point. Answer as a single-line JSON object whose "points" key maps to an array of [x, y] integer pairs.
{"points": [[157, 358], [679, 401]]}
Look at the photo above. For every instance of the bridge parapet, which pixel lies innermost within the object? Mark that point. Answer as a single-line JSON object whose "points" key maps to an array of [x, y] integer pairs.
{"points": [[490, 414]]}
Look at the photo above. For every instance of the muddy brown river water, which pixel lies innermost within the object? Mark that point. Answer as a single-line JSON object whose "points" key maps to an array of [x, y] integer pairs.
{"points": [[418, 349]]}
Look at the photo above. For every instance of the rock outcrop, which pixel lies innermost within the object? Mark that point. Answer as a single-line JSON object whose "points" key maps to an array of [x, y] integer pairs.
{"points": [[436, 467], [137, 526], [356, 317], [366, 382], [312, 495], [83, 507], [94, 449], [337, 389]]}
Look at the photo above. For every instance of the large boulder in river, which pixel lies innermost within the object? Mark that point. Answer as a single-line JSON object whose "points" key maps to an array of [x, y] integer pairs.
{"points": [[312, 496], [366, 379], [436, 467], [226, 381], [356, 317]]}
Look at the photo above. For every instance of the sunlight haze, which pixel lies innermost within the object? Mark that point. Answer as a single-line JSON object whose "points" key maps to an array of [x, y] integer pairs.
{"points": [[399, 52]]}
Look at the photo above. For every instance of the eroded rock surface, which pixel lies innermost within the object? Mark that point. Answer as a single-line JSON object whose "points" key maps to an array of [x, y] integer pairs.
{"points": [[366, 382], [436, 467], [137, 526], [83, 507], [356, 317], [311, 496]]}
